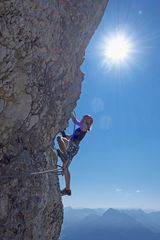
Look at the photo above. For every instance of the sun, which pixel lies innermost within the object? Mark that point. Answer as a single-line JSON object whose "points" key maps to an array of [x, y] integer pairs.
{"points": [[117, 48]]}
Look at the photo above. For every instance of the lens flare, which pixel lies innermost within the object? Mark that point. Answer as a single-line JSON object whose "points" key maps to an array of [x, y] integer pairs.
{"points": [[117, 48]]}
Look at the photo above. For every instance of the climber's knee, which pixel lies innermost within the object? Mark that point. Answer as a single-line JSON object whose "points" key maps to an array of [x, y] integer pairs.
{"points": [[66, 171]]}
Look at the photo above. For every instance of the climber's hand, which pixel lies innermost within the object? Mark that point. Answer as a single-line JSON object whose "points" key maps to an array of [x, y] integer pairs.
{"points": [[72, 116]]}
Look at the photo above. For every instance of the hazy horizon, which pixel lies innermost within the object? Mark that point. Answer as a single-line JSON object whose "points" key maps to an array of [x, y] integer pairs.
{"points": [[116, 208]]}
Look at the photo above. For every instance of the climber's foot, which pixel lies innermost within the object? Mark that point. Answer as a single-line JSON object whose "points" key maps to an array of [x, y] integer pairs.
{"points": [[66, 192]]}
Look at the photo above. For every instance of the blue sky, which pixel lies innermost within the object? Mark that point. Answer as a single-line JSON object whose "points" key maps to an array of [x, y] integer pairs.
{"points": [[118, 164]]}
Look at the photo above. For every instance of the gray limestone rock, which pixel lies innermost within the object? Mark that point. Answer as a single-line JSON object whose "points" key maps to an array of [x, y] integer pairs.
{"points": [[1, 105], [42, 45]]}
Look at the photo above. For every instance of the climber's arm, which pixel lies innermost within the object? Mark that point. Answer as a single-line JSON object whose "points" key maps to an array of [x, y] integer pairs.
{"points": [[75, 121]]}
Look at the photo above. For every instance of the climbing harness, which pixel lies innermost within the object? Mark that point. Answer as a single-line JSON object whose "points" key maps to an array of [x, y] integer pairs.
{"points": [[72, 149], [57, 170]]}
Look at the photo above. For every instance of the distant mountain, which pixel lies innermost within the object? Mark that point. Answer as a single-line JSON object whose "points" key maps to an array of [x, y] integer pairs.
{"points": [[91, 218], [155, 216], [149, 220], [73, 216], [112, 225], [83, 212], [120, 219]]}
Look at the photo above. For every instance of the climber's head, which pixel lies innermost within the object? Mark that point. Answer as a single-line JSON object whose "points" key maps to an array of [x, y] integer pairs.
{"points": [[88, 120]]}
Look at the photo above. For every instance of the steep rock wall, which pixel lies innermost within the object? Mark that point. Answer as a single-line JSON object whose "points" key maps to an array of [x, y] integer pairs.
{"points": [[42, 45]]}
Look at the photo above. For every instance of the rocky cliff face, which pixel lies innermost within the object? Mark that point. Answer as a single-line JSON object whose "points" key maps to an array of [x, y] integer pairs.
{"points": [[42, 45]]}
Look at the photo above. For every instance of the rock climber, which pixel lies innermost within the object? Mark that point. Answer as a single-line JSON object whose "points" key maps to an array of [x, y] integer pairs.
{"points": [[69, 146]]}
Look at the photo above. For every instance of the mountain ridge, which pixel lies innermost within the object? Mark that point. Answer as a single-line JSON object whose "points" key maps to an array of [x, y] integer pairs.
{"points": [[112, 224]]}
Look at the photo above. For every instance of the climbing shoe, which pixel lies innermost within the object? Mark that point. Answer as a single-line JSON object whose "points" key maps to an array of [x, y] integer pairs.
{"points": [[65, 192]]}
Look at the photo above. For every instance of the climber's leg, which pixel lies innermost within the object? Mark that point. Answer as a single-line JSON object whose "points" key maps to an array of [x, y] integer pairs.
{"points": [[62, 152], [67, 178], [62, 142], [66, 190]]}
